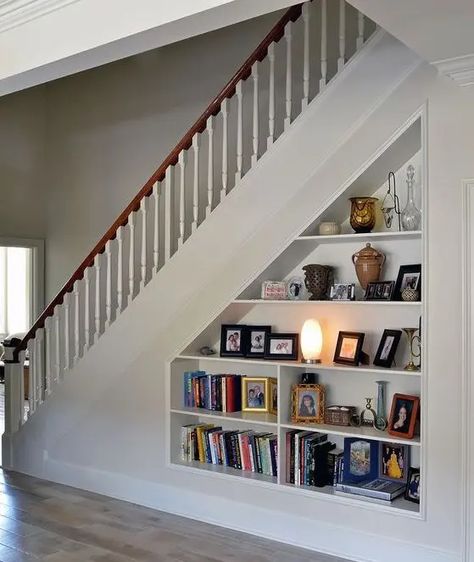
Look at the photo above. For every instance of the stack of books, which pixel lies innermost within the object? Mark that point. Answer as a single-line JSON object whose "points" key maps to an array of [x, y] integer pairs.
{"points": [[219, 393], [379, 489], [242, 450], [307, 461]]}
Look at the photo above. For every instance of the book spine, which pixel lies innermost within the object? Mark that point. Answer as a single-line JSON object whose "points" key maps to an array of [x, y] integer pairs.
{"points": [[224, 393]]}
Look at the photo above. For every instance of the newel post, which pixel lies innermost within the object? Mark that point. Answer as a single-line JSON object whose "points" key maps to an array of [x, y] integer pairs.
{"points": [[13, 398]]}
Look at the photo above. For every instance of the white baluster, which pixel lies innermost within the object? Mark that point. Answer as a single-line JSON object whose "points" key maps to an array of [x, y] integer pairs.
{"points": [[306, 16], [77, 314], [39, 368], [57, 344], [143, 260], [67, 352], [97, 314], [108, 284], [210, 164], [119, 270], [324, 45], [87, 308], [47, 345], [156, 226], [31, 377], [360, 29], [271, 95], [194, 224], [239, 93], [21, 397], [288, 96], [255, 113], [342, 35], [131, 257], [182, 211], [168, 210], [225, 132]]}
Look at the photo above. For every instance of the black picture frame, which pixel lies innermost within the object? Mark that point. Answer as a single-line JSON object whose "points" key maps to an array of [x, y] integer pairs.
{"points": [[412, 490], [385, 355], [271, 353], [252, 350], [403, 272], [341, 356], [379, 291], [242, 330], [342, 292]]}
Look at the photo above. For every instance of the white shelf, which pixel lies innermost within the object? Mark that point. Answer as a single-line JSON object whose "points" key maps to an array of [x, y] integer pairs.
{"points": [[353, 237], [241, 417], [226, 471], [328, 302]]}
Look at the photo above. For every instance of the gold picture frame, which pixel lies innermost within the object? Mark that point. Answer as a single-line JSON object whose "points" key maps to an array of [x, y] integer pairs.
{"points": [[307, 403], [273, 397], [256, 395]]}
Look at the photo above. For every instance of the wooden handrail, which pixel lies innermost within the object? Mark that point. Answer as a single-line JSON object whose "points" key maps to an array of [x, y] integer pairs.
{"points": [[276, 33]]}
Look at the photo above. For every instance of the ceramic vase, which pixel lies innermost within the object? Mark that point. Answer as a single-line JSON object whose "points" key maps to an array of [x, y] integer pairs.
{"points": [[318, 279], [368, 264], [363, 214]]}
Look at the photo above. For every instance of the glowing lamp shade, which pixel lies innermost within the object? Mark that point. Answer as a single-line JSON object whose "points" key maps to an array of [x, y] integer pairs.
{"points": [[311, 341]]}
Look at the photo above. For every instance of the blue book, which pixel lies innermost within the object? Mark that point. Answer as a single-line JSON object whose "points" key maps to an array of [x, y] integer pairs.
{"points": [[361, 460]]}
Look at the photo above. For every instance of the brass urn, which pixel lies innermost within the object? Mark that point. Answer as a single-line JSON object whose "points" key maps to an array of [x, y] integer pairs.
{"points": [[368, 264], [363, 213]]}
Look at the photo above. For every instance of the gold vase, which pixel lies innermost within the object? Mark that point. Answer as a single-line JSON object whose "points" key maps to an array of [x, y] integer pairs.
{"points": [[363, 213]]}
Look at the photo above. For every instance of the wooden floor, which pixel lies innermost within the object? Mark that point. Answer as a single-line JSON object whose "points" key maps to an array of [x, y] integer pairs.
{"points": [[44, 521]]}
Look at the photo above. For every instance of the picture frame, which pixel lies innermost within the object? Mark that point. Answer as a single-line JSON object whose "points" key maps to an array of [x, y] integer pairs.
{"points": [[342, 292], [387, 348], [256, 340], [274, 290], [403, 415], [307, 403], [234, 340], [295, 289], [413, 489], [408, 276], [361, 460], [379, 291], [256, 394], [282, 346], [349, 348], [273, 397], [394, 462]]}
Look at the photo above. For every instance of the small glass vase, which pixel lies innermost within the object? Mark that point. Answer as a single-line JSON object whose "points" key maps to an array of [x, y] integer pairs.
{"points": [[411, 216]]}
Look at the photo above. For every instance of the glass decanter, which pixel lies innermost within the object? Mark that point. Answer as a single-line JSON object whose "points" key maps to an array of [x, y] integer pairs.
{"points": [[411, 216]]}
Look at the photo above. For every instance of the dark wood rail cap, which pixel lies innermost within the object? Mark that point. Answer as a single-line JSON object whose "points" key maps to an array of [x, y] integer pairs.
{"points": [[276, 33]]}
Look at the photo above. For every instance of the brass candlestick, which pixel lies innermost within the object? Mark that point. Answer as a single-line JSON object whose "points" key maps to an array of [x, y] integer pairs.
{"points": [[412, 340]]}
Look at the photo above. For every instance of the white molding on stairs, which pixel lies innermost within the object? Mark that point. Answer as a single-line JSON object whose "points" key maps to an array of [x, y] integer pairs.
{"points": [[14, 13], [459, 69]]}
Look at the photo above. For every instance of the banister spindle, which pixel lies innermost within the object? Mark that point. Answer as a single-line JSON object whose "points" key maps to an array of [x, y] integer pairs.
{"points": [[182, 208], [194, 224], [324, 45], [156, 227], [87, 308], [47, 345], [67, 352], [131, 257], [288, 93], [21, 397], [306, 68], [239, 93], [77, 340], [168, 211], [97, 315], [31, 377], [210, 164], [360, 30], [255, 114], [271, 95], [143, 257], [342, 35], [39, 367], [225, 132], [119, 270], [57, 344], [108, 284]]}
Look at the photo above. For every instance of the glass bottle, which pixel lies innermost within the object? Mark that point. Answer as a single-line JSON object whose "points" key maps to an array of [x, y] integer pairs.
{"points": [[411, 216]]}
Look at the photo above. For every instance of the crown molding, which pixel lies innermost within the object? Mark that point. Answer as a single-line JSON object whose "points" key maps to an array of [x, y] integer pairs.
{"points": [[14, 13], [459, 69]]}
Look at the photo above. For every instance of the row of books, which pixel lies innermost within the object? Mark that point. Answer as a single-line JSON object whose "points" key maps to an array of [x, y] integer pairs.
{"points": [[243, 450], [220, 393]]}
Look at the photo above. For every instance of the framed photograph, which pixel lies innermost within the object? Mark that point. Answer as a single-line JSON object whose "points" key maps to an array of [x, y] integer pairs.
{"points": [[394, 461], [379, 291], [234, 340], [282, 346], [255, 394], [409, 277], [412, 491], [257, 337], [387, 348], [342, 292], [361, 457], [295, 289], [403, 415], [349, 348], [307, 403], [273, 407], [274, 290]]}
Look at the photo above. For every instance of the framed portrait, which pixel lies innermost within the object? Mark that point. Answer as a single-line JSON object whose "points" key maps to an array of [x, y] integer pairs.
{"points": [[409, 277], [282, 346], [387, 348], [273, 406], [295, 289], [342, 292], [394, 462], [349, 348], [255, 394], [379, 291], [361, 457], [413, 489], [257, 337], [234, 340], [403, 415], [307, 403]]}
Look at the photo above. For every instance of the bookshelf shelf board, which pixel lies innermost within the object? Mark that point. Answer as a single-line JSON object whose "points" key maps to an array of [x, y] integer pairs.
{"points": [[353, 237], [299, 365], [226, 471], [241, 417], [328, 303], [349, 431]]}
